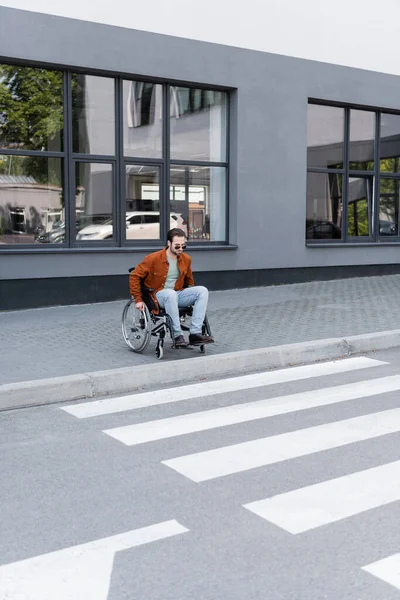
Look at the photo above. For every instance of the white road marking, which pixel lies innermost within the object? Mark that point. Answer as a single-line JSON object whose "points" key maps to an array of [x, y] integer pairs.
{"points": [[78, 573], [151, 431], [208, 388], [202, 466], [330, 501], [387, 569]]}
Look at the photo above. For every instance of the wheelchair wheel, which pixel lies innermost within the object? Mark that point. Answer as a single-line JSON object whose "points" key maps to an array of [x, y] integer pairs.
{"points": [[160, 349], [136, 327]]}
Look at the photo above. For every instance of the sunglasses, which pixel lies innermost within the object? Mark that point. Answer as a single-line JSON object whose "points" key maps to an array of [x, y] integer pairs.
{"points": [[177, 246]]}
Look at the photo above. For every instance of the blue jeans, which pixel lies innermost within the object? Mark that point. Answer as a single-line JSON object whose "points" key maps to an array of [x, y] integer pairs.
{"points": [[172, 301]]}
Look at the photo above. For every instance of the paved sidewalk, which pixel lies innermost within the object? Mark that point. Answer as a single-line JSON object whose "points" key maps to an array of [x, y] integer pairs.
{"points": [[53, 342]]}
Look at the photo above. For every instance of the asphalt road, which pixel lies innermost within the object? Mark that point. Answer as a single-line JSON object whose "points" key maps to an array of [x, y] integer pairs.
{"points": [[288, 490]]}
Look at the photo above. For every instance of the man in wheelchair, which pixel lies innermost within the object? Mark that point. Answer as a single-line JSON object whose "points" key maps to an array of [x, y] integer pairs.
{"points": [[168, 273]]}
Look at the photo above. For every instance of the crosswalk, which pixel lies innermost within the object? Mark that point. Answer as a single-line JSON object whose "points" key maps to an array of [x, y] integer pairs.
{"points": [[299, 510]]}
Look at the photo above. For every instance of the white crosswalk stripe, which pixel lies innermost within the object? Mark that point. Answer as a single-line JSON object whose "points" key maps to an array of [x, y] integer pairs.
{"points": [[211, 464], [316, 505], [96, 408], [309, 506], [387, 569], [241, 413]]}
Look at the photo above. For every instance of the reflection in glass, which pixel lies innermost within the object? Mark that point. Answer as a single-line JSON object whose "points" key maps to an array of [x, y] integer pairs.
{"points": [[390, 143], [362, 135], [94, 201], [324, 206], [142, 115], [198, 121], [31, 200], [142, 202], [198, 197], [389, 198], [359, 206], [93, 114], [31, 109], [325, 135]]}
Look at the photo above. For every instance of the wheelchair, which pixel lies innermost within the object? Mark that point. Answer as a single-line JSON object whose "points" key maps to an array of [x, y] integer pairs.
{"points": [[138, 326]]}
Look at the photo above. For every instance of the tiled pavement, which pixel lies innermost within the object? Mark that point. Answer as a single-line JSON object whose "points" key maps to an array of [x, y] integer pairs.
{"points": [[67, 340]]}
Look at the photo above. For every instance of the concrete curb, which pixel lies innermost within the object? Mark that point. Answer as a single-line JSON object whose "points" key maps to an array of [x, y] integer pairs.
{"points": [[131, 379]]}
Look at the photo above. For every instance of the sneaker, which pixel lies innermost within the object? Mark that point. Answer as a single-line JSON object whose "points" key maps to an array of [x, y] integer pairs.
{"points": [[199, 338], [180, 342]]}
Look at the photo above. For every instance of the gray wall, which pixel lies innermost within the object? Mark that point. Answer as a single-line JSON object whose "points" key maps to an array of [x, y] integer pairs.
{"points": [[268, 137]]}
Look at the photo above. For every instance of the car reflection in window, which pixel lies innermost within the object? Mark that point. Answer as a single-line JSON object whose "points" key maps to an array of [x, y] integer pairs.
{"points": [[387, 228]]}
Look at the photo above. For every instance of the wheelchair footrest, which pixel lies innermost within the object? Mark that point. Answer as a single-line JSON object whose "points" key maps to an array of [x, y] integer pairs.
{"points": [[201, 343]]}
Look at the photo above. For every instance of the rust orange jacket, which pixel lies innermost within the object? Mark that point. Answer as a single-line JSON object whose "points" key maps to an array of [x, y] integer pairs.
{"points": [[153, 271]]}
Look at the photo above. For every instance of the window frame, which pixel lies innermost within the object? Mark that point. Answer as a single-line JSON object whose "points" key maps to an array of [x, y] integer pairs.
{"points": [[375, 174], [118, 162]]}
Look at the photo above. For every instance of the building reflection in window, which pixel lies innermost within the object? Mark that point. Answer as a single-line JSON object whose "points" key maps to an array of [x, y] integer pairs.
{"points": [[325, 136], [198, 124], [93, 114], [361, 142], [198, 197], [142, 115], [324, 206], [31, 200], [94, 202]]}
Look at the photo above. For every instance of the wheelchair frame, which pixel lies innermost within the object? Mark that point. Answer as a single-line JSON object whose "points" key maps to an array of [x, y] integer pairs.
{"points": [[139, 328]]}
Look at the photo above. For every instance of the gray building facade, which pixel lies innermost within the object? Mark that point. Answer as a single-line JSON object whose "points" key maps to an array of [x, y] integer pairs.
{"points": [[275, 214]]}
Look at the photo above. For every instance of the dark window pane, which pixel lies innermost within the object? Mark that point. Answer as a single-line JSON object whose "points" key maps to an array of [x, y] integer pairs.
{"points": [[359, 206], [324, 206], [390, 143], [93, 114], [142, 202], [31, 109], [325, 135], [142, 116], [31, 200], [94, 201], [198, 124], [362, 136], [198, 201], [389, 207]]}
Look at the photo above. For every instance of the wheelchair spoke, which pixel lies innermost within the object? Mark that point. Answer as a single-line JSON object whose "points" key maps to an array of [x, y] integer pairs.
{"points": [[136, 327]]}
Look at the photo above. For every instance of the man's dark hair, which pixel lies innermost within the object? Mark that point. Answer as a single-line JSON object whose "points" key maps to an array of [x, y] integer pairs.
{"points": [[175, 232]]}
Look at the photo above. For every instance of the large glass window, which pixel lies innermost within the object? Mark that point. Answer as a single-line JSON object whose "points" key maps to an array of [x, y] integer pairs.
{"points": [[31, 200], [93, 114], [198, 121], [142, 116], [94, 202], [389, 204], [198, 201], [355, 198], [390, 143], [90, 160], [362, 136], [359, 198], [324, 206], [325, 136], [142, 202]]}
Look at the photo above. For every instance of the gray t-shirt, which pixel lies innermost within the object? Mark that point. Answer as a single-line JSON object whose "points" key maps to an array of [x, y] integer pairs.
{"points": [[173, 274]]}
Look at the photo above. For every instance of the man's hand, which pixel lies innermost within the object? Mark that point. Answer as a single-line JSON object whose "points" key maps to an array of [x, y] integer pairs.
{"points": [[140, 305]]}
